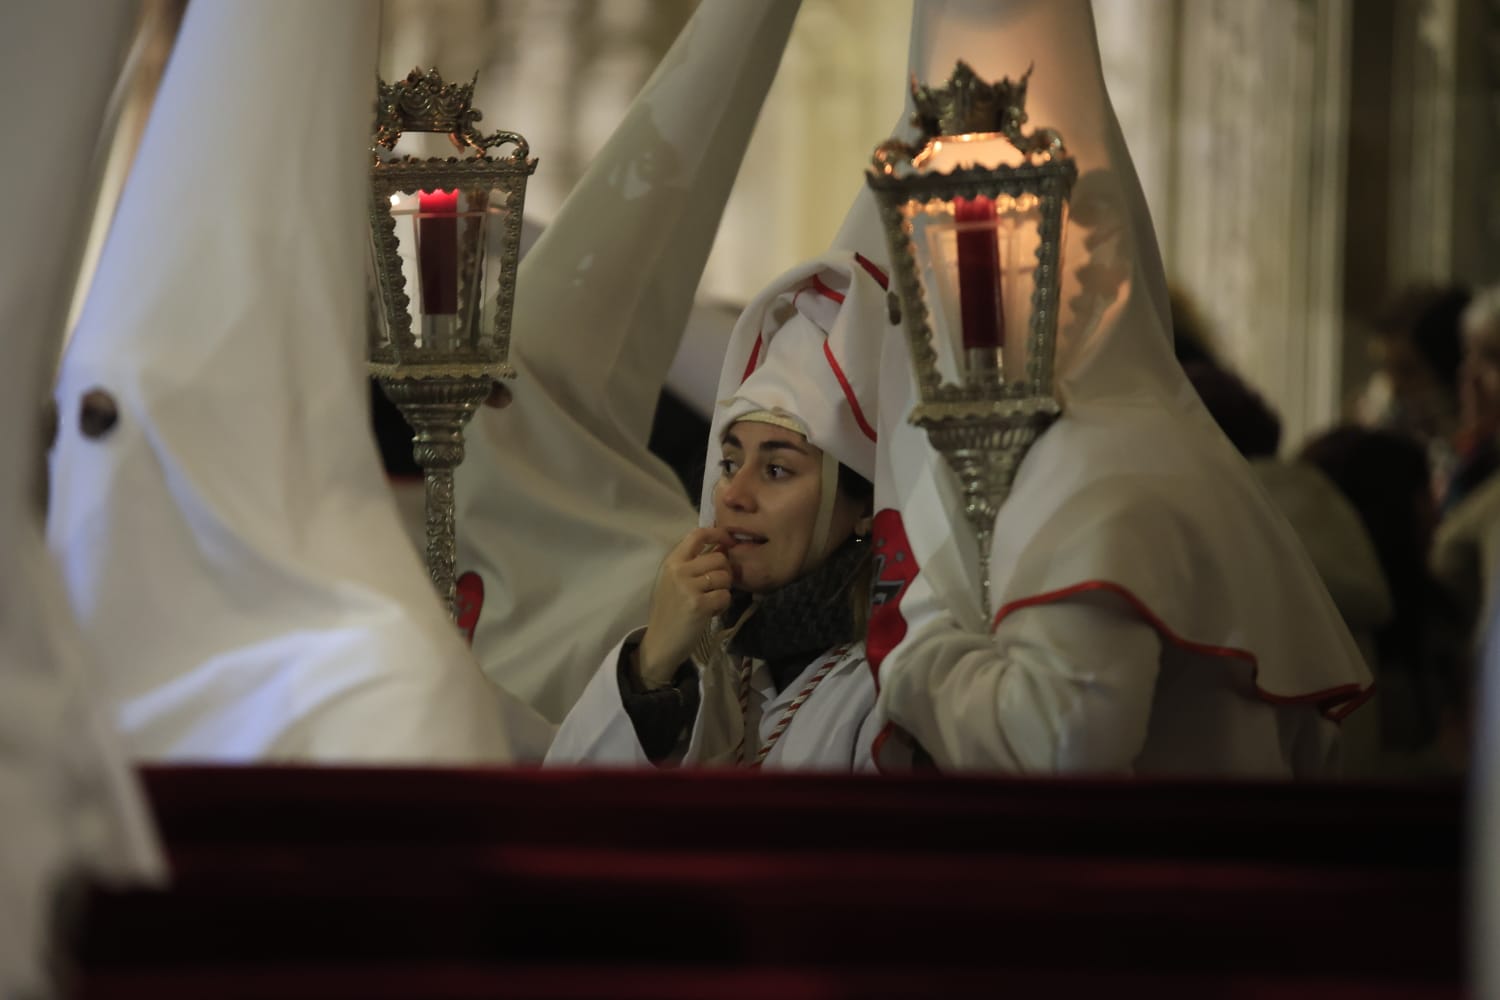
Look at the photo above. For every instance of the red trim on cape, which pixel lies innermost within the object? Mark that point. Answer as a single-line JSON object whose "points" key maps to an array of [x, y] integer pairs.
{"points": [[754, 357], [874, 271], [822, 289], [880, 738], [838, 373], [1335, 703]]}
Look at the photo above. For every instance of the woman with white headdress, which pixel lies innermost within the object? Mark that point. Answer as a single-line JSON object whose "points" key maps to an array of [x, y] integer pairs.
{"points": [[1153, 613], [752, 652], [232, 554]]}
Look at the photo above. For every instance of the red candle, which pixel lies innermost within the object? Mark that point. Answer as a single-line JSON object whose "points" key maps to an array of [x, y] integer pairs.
{"points": [[978, 274], [437, 251]]}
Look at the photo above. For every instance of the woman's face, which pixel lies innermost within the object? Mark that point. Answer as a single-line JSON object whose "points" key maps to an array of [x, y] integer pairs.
{"points": [[770, 480]]}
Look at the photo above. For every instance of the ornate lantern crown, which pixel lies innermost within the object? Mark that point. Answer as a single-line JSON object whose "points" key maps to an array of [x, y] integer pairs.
{"points": [[424, 103], [974, 212]]}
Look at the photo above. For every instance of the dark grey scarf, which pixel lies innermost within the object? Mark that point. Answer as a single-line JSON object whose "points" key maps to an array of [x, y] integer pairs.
{"points": [[803, 619]]}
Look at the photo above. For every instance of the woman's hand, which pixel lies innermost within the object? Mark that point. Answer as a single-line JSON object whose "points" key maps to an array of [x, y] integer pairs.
{"points": [[691, 588]]}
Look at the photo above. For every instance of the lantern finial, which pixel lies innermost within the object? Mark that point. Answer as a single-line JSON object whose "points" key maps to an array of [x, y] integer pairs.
{"points": [[424, 103], [968, 105]]}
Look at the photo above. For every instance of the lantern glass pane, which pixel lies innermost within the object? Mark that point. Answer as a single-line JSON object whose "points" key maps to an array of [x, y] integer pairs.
{"points": [[976, 260], [451, 274]]}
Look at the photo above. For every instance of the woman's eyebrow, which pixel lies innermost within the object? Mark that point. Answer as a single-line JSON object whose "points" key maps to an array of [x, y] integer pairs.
{"points": [[778, 445]]}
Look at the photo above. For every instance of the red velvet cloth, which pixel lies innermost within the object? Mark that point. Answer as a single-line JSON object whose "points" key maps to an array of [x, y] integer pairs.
{"points": [[705, 882]]}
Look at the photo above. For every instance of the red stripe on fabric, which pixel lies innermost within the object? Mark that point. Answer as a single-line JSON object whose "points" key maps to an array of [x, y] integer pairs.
{"points": [[838, 373], [754, 357], [874, 271], [824, 290], [880, 738], [1335, 703]]}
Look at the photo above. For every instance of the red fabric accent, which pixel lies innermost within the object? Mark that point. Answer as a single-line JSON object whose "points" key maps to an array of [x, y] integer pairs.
{"points": [[754, 357], [879, 742], [470, 591], [874, 271], [838, 373], [887, 627], [895, 568], [1335, 703], [823, 290]]}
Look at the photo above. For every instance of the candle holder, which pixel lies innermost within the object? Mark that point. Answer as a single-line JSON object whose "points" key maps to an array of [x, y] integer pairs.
{"points": [[445, 237], [974, 211]]}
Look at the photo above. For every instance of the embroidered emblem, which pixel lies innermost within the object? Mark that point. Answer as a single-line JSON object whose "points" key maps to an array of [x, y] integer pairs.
{"points": [[895, 569]]}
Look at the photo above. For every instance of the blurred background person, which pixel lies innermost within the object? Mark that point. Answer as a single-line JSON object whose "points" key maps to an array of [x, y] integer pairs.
{"points": [[1415, 386], [1420, 657]]}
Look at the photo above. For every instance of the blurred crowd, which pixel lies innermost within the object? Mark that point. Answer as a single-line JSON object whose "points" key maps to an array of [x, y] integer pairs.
{"points": [[1399, 509]]}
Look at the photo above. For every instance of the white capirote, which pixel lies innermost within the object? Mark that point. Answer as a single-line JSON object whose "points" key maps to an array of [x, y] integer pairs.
{"points": [[1153, 613], [231, 549]]}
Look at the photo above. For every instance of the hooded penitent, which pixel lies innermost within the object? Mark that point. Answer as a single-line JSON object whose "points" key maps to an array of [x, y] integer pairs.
{"points": [[69, 804], [1133, 492], [231, 549], [563, 513]]}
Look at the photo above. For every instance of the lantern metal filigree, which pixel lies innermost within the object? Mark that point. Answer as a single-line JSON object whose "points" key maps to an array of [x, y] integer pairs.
{"points": [[974, 211], [445, 238]]}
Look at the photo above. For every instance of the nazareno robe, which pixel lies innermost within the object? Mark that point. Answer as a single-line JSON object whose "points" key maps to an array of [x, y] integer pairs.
{"points": [[831, 730]]}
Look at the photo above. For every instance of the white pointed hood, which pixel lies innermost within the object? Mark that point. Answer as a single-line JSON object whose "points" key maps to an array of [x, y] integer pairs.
{"points": [[69, 802], [230, 547], [1133, 490], [563, 514]]}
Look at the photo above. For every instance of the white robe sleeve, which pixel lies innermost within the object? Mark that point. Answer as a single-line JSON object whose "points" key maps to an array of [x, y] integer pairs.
{"points": [[1064, 687], [598, 730]]}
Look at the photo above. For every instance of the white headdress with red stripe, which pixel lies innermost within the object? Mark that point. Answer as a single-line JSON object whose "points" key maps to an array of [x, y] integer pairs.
{"points": [[1134, 490], [802, 356]]}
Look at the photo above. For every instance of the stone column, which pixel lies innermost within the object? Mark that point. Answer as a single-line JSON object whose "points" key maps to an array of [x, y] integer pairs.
{"points": [[1257, 213]]}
